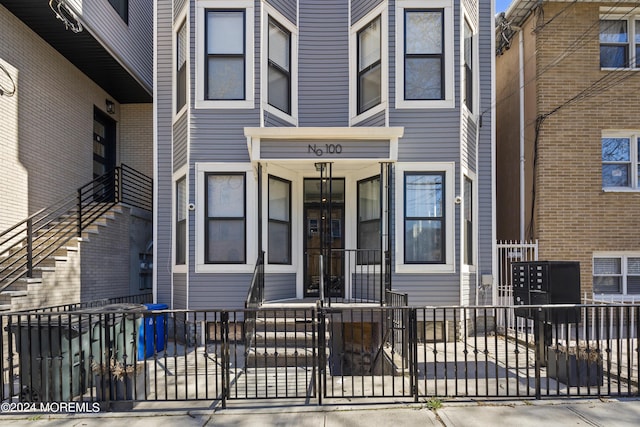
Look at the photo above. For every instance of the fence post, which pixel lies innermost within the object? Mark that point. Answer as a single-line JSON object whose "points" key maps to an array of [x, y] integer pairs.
{"points": [[322, 354], [29, 247], [413, 353], [224, 319], [538, 329]]}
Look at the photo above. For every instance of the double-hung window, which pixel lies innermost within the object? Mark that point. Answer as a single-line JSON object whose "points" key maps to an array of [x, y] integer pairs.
{"points": [[424, 59], [224, 58], [619, 41], [369, 220], [424, 241], [225, 55], [468, 66], [616, 274], [425, 225], [368, 53], [424, 54], [468, 221], [181, 67], [620, 161], [181, 221], [279, 221], [279, 67], [369, 66], [225, 218]]}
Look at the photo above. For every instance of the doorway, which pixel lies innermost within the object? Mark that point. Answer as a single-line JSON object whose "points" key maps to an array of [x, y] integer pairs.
{"points": [[323, 221], [104, 156]]}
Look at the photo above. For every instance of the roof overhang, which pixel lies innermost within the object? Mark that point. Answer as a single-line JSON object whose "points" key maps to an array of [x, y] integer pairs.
{"points": [[323, 144], [83, 50]]}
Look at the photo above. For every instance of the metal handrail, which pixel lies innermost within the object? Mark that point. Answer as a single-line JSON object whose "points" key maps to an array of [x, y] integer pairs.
{"points": [[255, 298], [29, 242]]}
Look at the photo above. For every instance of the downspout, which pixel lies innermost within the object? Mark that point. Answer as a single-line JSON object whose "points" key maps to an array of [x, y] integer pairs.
{"points": [[521, 107]]}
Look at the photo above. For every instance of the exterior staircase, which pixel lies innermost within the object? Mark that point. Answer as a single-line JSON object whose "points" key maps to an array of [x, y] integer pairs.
{"points": [[283, 338], [35, 252], [53, 266]]}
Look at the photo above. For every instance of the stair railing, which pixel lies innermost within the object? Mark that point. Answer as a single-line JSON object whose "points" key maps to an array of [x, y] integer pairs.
{"points": [[255, 298], [29, 242]]}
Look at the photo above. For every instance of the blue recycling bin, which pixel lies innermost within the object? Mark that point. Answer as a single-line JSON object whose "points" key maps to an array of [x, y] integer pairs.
{"points": [[147, 346]]}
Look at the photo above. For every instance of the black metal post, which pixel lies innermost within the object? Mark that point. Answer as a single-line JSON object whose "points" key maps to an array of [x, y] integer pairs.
{"points": [[224, 319], [413, 353], [79, 212], [29, 247]]}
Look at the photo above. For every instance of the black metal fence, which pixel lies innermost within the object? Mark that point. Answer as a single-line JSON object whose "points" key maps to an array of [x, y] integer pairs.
{"points": [[317, 353]]}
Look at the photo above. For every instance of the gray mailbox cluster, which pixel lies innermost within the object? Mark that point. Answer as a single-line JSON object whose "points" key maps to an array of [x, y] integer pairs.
{"points": [[547, 282]]}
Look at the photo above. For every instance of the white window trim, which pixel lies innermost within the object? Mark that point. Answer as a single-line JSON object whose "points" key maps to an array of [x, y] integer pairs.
{"points": [[621, 254], [201, 6], [267, 109], [474, 65], [280, 172], [467, 268], [622, 14], [251, 218], [182, 172], [179, 22], [354, 117], [634, 137], [449, 205], [448, 101]]}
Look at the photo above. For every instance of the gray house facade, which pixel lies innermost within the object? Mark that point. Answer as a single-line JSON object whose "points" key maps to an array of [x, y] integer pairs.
{"points": [[350, 141]]}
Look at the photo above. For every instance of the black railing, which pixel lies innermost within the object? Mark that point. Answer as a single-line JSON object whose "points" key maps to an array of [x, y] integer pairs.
{"points": [[31, 241], [318, 353], [255, 298], [359, 269]]}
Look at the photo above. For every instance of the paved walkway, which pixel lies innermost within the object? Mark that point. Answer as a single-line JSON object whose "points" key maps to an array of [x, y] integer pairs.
{"points": [[524, 413]]}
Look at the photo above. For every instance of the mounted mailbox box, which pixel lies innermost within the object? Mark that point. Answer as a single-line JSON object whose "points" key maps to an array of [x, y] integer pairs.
{"points": [[545, 283]]}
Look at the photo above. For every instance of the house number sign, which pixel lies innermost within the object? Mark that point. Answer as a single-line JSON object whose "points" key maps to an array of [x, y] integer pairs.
{"points": [[323, 150]]}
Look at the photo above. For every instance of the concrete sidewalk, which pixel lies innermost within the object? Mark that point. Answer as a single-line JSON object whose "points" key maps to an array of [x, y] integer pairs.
{"points": [[561, 412]]}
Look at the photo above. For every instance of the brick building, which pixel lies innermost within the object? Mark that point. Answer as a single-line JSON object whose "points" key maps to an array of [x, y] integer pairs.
{"points": [[567, 131], [75, 102]]}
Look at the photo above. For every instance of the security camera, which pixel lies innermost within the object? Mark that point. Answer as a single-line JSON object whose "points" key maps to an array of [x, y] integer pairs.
{"points": [[458, 200], [192, 206]]}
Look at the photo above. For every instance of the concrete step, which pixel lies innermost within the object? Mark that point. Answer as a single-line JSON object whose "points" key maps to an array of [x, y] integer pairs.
{"points": [[272, 357], [285, 339], [7, 296], [5, 307], [280, 324]]}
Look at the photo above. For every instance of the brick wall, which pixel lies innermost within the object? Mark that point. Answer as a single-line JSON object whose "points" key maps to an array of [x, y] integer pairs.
{"points": [[46, 143], [574, 217], [136, 137]]}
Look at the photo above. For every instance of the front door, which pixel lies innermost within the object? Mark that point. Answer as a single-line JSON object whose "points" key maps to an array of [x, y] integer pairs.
{"points": [[324, 235], [104, 155]]}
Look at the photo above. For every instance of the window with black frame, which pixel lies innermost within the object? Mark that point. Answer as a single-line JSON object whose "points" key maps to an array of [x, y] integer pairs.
{"points": [[369, 66], [279, 221], [468, 221], [424, 218], [279, 89], [225, 218], [181, 221], [369, 220], [468, 66], [424, 54], [181, 67], [225, 51]]}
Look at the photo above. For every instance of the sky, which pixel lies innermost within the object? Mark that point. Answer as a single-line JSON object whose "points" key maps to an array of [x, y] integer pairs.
{"points": [[502, 5]]}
